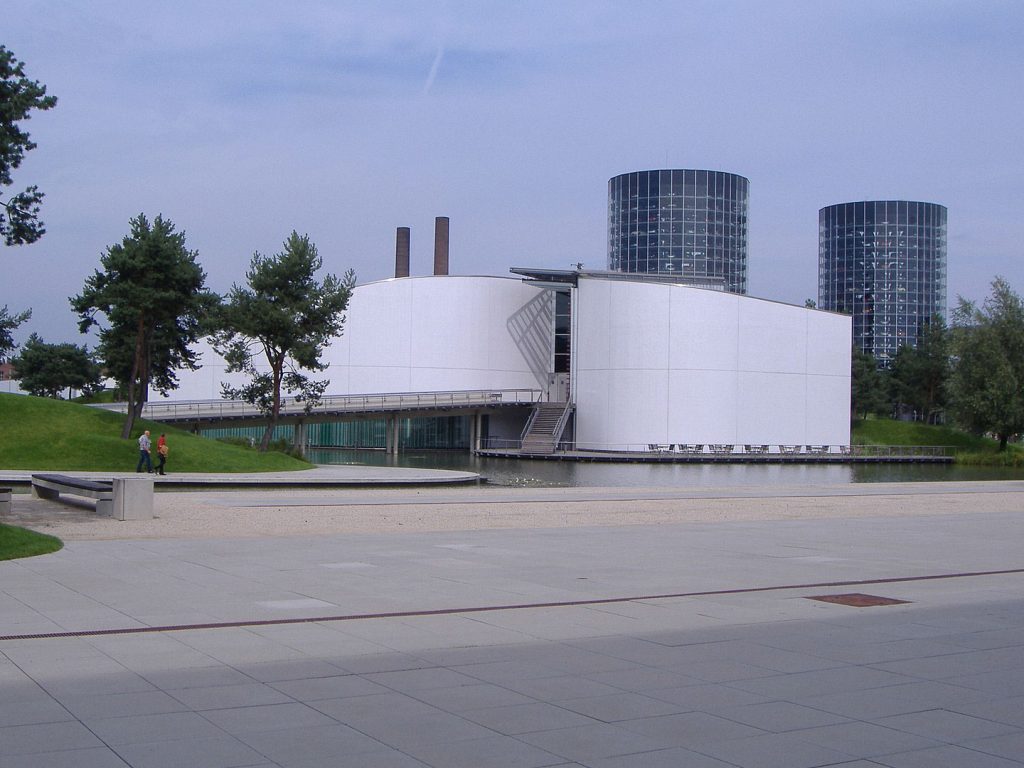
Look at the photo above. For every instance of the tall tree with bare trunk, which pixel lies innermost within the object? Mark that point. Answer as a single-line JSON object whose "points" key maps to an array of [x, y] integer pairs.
{"points": [[286, 317]]}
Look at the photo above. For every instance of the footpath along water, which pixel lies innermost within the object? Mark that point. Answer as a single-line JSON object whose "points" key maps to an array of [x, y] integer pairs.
{"points": [[560, 474]]}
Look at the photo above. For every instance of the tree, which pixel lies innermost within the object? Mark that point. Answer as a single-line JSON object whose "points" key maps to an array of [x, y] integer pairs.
{"points": [[919, 374], [46, 370], [8, 323], [19, 96], [287, 317], [867, 385], [987, 382], [152, 292], [166, 356]]}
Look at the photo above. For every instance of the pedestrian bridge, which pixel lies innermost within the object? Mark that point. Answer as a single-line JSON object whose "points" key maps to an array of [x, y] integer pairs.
{"points": [[198, 414]]}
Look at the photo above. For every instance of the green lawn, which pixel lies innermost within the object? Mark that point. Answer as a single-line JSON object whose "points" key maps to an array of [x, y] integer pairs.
{"points": [[18, 542], [40, 433], [970, 449], [889, 432]]}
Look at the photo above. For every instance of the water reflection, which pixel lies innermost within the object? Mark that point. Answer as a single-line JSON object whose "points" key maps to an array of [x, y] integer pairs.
{"points": [[541, 473]]}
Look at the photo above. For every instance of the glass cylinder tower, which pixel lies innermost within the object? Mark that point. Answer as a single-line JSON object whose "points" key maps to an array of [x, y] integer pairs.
{"points": [[884, 263], [688, 223]]}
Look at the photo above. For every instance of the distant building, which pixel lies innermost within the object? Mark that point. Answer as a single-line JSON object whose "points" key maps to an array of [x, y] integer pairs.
{"points": [[690, 224], [884, 263]]}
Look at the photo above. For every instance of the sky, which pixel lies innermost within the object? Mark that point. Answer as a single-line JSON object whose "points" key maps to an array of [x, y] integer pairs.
{"points": [[242, 121]]}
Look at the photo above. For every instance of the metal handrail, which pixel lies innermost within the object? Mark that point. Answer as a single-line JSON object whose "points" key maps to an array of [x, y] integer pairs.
{"points": [[529, 425], [391, 401], [562, 421]]}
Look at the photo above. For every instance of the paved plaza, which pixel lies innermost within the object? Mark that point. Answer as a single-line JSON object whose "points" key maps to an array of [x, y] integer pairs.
{"points": [[663, 642]]}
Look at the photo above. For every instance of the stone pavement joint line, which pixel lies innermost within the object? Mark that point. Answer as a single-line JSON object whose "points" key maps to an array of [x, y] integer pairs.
{"points": [[509, 607]]}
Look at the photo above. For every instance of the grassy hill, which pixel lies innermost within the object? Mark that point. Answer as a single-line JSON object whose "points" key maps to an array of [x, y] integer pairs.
{"points": [[40, 433], [970, 449], [889, 432]]}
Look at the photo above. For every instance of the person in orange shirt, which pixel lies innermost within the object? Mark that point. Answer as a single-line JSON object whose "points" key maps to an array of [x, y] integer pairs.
{"points": [[161, 454]]}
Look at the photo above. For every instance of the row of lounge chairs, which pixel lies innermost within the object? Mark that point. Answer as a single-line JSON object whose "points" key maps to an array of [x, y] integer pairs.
{"points": [[723, 449]]}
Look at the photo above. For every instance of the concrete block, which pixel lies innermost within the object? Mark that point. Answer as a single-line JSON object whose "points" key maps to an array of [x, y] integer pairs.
{"points": [[133, 498], [38, 492], [5, 501]]}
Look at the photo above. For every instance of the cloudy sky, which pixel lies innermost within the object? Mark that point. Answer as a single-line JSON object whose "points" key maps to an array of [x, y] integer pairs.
{"points": [[241, 121]]}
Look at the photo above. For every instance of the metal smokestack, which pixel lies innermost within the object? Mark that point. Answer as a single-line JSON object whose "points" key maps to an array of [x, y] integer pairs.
{"points": [[441, 245], [402, 252]]}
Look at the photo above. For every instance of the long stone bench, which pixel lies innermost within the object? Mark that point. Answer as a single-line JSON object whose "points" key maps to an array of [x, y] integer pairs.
{"points": [[122, 498], [5, 500]]}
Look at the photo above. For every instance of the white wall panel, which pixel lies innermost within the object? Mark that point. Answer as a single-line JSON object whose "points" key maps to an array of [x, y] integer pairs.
{"points": [[593, 316], [522, 328], [592, 419], [770, 408], [638, 326], [368, 380], [702, 406], [772, 337], [378, 324], [704, 330], [449, 314], [828, 351], [828, 409], [643, 394]]}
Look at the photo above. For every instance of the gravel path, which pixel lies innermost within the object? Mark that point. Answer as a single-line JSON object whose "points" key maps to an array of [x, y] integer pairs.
{"points": [[251, 513]]}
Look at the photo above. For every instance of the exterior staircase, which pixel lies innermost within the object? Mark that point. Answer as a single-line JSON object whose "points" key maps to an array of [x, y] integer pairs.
{"points": [[544, 429]]}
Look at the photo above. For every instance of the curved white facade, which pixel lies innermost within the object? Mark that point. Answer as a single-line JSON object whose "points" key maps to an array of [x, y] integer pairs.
{"points": [[673, 364], [443, 333]]}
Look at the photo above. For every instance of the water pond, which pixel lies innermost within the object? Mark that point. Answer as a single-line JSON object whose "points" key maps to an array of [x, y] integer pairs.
{"points": [[543, 473]]}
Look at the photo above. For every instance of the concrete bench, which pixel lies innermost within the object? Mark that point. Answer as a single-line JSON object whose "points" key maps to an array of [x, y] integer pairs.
{"points": [[5, 500], [122, 498]]}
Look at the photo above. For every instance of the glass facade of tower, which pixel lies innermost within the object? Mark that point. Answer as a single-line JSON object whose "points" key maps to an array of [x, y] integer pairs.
{"points": [[688, 223], [884, 263]]}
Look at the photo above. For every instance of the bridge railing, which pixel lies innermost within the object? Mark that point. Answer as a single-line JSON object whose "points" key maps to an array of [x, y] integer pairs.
{"points": [[213, 410]]}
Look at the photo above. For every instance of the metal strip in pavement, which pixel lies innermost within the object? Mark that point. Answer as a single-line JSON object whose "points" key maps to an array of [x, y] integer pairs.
{"points": [[494, 608]]}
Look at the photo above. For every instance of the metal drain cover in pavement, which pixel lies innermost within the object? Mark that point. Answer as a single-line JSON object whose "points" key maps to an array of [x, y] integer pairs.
{"points": [[857, 600]]}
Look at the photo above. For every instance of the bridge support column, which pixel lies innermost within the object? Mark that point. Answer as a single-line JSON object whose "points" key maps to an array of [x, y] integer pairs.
{"points": [[300, 438], [391, 435], [475, 430]]}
